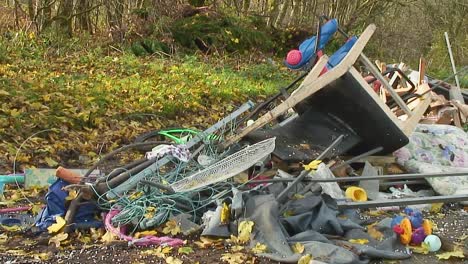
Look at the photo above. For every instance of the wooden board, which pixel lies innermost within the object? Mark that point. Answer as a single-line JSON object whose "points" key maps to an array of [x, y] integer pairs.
{"points": [[410, 124]]}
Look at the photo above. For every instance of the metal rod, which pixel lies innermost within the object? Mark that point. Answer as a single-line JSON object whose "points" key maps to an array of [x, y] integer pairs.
{"points": [[391, 183], [454, 93], [356, 158], [364, 178], [304, 173], [404, 202]]}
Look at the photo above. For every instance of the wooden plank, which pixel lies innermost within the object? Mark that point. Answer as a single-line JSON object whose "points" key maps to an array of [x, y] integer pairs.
{"points": [[422, 70], [396, 75], [311, 87], [410, 124]]}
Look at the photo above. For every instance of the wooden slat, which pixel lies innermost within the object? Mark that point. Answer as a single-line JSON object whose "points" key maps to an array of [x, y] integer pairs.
{"points": [[410, 124]]}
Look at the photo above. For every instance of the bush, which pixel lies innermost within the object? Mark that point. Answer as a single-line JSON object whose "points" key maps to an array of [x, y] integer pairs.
{"points": [[148, 47], [208, 32]]}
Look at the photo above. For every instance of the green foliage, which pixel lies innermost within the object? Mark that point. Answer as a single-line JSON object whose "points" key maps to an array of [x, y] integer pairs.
{"points": [[210, 32], [4, 57], [89, 97], [148, 46]]}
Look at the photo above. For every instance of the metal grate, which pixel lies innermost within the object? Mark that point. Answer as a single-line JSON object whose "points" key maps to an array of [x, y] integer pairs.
{"points": [[227, 167]]}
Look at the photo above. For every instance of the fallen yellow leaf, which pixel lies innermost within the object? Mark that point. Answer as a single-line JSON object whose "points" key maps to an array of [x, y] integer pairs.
{"points": [[84, 238], [41, 256], [51, 162], [234, 258], [108, 237], [298, 248], [95, 233], [57, 239], [171, 228], [59, 224], [225, 213], [361, 241], [244, 230], [159, 252], [145, 233], [72, 194], [3, 238], [13, 228], [422, 249], [259, 248], [237, 248], [206, 242], [172, 260], [374, 233], [305, 259], [436, 207], [447, 255], [36, 208]]}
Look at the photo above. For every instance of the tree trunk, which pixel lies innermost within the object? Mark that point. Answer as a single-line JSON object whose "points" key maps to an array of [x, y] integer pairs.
{"points": [[83, 19], [64, 19], [245, 6], [31, 9], [115, 10], [273, 15], [283, 12], [46, 14]]}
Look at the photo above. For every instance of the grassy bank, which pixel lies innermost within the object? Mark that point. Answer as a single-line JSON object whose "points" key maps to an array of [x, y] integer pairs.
{"points": [[92, 100]]}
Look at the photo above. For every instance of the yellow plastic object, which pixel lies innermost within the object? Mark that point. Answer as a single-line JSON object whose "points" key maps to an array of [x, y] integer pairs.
{"points": [[356, 194], [405, 224], [427, 226]]}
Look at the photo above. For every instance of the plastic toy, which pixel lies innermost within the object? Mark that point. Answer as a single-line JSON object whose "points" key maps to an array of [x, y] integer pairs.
{"points": [[434, 242], [411, 227]]}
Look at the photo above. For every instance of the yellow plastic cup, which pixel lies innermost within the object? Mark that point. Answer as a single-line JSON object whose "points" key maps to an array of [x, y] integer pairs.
{"points": [[356, 194]]}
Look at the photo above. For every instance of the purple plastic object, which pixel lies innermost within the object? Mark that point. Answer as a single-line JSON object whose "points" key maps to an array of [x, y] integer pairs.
{"points": [[418, 236]]}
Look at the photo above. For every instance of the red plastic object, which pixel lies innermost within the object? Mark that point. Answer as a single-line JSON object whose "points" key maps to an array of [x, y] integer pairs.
{"points": [[294, 57]]}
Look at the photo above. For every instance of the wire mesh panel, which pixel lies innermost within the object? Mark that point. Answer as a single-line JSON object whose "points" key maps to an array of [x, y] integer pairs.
{"points": [[227, 167]]}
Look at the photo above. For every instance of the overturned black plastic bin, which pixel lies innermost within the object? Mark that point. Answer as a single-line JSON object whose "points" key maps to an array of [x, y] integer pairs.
{"points": [[344, 107]]}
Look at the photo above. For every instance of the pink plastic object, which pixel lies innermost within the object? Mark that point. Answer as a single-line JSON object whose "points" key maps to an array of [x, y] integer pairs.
{"points": [[294, 57], [144, 241]]}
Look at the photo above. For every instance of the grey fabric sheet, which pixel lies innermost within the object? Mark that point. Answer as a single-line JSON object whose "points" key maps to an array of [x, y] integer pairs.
{"points": [[315, 221]]}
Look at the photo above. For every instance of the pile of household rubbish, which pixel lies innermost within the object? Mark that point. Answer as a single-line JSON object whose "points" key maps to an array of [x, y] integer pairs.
{"points": [[299, 171]]}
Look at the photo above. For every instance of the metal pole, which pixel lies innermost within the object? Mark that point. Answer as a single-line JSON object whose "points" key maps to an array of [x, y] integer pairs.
{"points": [[404, 202], [377, 177], [454, 93], [304, 173], [363, 155]]}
